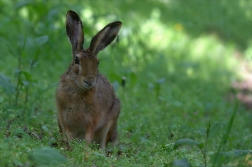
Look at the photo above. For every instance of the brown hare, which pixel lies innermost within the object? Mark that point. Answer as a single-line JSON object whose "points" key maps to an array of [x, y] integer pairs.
{"points": [[87, 105]]}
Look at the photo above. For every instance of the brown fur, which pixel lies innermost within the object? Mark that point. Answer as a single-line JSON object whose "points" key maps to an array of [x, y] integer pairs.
{"points": [[87, 106]]}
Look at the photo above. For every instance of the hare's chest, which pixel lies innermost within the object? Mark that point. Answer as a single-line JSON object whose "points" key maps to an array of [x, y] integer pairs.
{"points": [[80, 115]]}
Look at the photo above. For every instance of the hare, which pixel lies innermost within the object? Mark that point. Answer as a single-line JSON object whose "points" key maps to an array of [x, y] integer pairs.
{"points": [[87, 105]]}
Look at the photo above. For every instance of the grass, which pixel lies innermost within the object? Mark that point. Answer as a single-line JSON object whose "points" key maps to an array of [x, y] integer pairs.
{"points": [[178, 60]]}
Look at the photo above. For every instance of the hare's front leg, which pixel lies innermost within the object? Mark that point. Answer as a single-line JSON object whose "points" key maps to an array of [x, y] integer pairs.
{"points": [[67, 134], [89, 134], [64, 130], [104, 134]]}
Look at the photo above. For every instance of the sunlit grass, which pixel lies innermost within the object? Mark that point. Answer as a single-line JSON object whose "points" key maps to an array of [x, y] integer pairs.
{"points": [[208, 51]]}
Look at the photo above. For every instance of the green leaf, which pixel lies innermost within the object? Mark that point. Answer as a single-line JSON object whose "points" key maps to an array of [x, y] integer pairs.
{"points": [[5, 82], [115, 85], [226, 157], [28, 77], [214, 129], [45, 128], [160, 81], [1, 99], [181, 163], [21, 4], [188, 142], [10, 47], [25, 83], [47, 156], [21, 132], [41, 40]]}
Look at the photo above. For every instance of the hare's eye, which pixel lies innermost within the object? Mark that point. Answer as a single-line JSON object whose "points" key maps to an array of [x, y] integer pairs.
{"points": [[98, 63], [77, 60]]}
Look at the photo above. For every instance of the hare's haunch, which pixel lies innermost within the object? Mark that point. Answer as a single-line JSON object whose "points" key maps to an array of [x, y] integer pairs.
{"points": [[87, 105]]}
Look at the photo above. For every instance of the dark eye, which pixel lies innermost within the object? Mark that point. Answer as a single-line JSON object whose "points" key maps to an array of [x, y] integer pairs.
{"points": [[98, 63], [77, 60]]}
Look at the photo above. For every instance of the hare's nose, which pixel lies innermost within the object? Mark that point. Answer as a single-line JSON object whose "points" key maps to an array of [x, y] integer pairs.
{"points": [[86, 82], [89, 81]]}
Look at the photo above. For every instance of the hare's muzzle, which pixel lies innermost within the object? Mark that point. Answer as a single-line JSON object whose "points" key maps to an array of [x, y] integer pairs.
{"points": [[89, 81]]}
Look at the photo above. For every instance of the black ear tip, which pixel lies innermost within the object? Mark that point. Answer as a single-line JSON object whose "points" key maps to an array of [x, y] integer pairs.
{"points": [[73, 15], [117, 23], [69, 11]]}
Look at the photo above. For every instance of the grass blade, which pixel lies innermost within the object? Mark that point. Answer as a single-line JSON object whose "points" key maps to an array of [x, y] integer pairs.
{"points": [[216, 158]]}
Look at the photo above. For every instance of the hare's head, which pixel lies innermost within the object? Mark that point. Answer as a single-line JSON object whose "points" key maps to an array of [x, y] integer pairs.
{"points": [[84, 67]]}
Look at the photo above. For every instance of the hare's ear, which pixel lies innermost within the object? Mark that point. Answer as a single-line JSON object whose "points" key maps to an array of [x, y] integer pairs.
{"points": [[74, 30], [104, 37]]}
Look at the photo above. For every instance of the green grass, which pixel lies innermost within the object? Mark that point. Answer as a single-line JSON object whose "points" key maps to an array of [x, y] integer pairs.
{"points": [[179, 61]]}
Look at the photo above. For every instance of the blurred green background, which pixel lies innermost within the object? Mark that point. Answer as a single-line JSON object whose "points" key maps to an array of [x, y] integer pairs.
{"points": [[180, 59]]}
